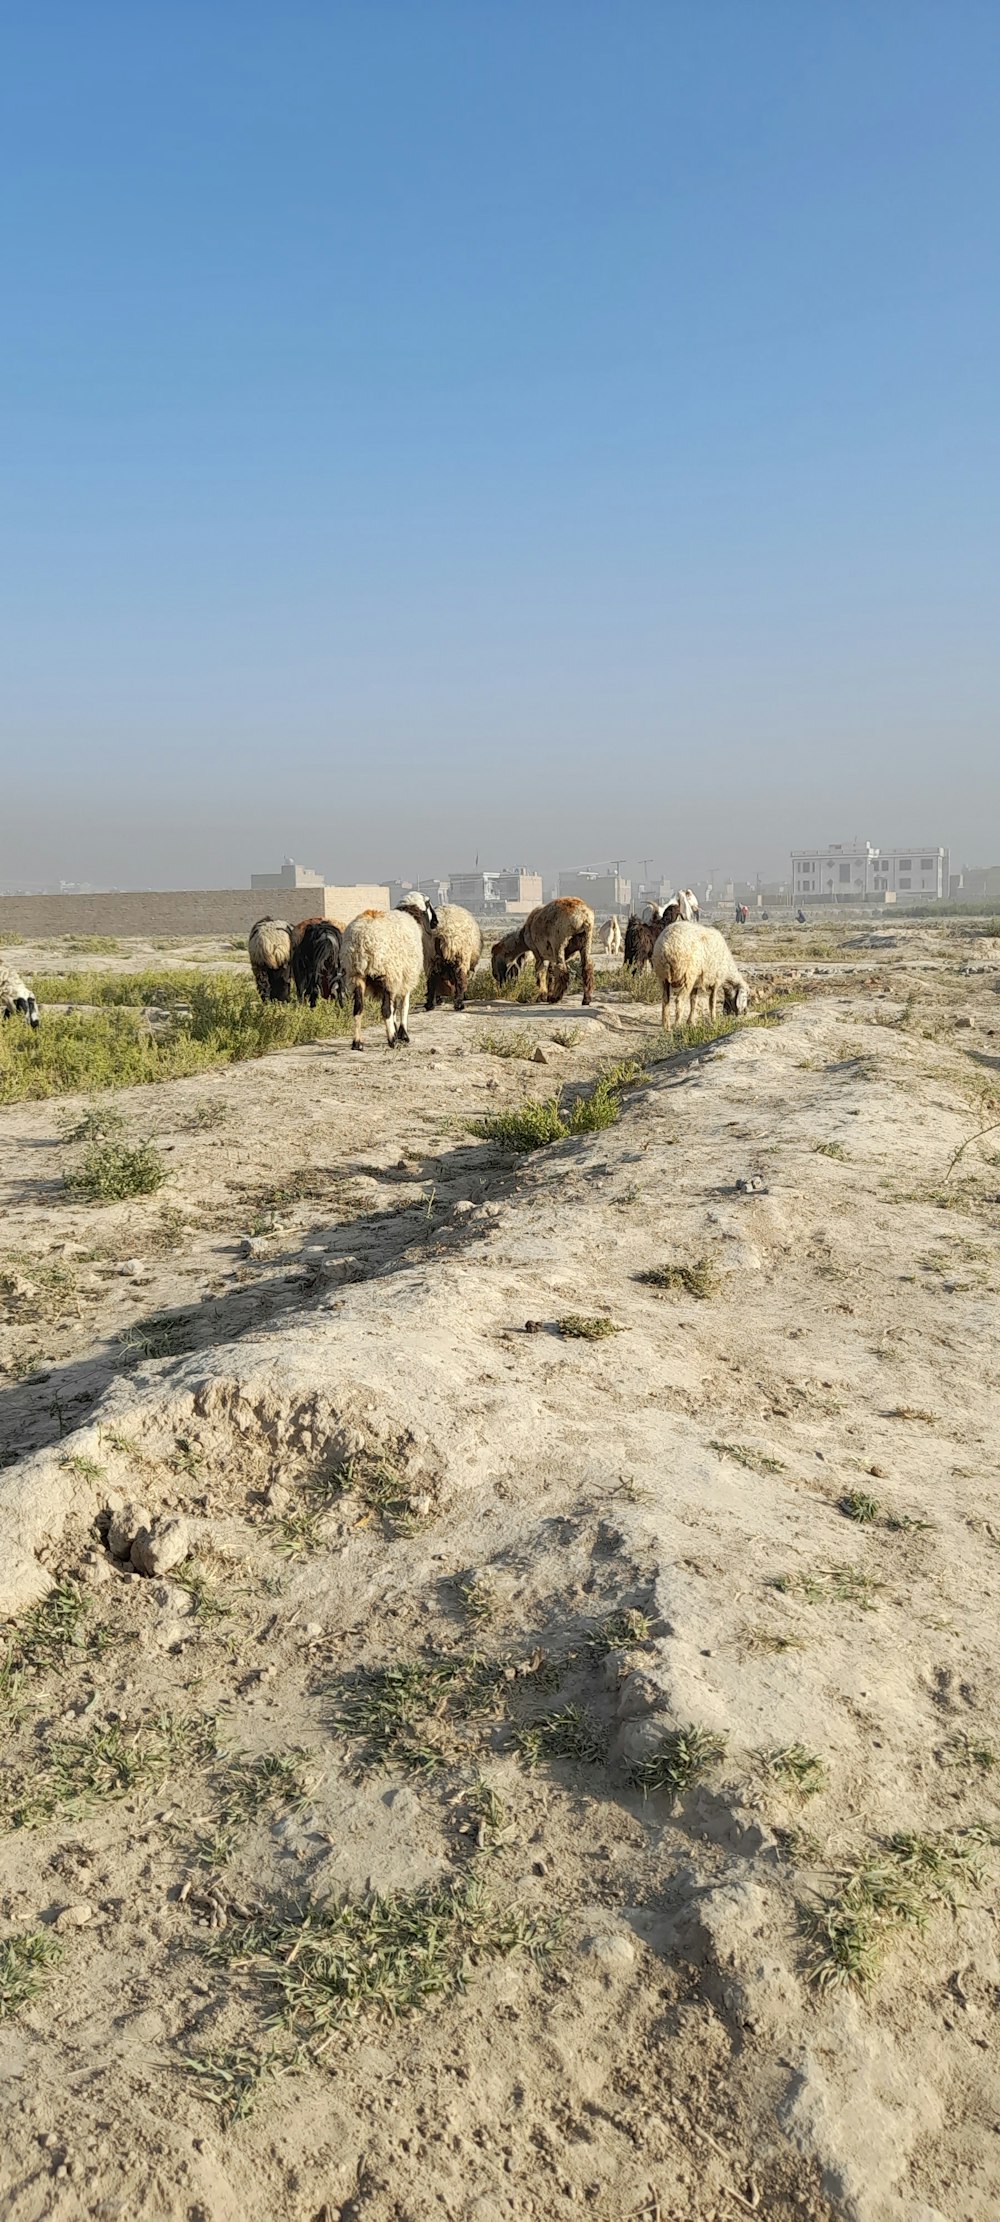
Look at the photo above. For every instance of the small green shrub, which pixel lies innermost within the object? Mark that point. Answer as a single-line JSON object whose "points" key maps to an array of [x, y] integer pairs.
{"points": [[699, 1280], [110, 1171], [24, 1962], [681, 1758], [580, 1327]]}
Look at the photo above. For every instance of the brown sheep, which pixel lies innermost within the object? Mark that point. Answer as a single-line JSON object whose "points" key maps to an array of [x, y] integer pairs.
{"points": [[552, 934]]}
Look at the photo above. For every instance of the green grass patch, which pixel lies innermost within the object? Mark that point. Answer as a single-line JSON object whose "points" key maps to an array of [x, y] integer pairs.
{"points": [[795, 1769], [533, 1125], [743, 1454], [108, 1172], [568, 1733], [74, 1773], [619, 1632], [860, 1506], [407, 1714], [700, 1280], [682, 1756], [580, 1327], [843, 1584], [213, 1019], [25, 1964], [895, 1888], [515, 1042], [47, 1637], [384, 1957]]}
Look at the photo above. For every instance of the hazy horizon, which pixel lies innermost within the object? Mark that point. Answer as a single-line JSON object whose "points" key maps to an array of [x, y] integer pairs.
{"points": [[559, 432]]}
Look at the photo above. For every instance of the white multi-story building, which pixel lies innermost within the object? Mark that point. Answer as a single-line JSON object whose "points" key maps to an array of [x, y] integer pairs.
{"points": [[855, 872]]}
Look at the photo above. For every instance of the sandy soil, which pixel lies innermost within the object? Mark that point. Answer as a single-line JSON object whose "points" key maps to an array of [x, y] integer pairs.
{"points": [[381, 1469]]}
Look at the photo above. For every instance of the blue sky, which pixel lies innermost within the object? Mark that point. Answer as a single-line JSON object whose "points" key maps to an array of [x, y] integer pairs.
{"points": [[555, 430]]}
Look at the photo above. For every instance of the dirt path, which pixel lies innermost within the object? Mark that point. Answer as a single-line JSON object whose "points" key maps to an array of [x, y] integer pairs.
{"points": [[457, 1594]]}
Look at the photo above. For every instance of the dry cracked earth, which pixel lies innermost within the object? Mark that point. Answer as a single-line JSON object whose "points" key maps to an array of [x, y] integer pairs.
{"points": [[541, 1772]]}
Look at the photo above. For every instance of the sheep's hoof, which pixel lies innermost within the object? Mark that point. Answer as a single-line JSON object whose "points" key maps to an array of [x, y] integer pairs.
{"points": [[402, 1040], [357, 1045]]}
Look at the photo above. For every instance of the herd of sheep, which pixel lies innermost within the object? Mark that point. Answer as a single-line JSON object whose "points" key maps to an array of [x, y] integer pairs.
{"points": [[383, 953]]}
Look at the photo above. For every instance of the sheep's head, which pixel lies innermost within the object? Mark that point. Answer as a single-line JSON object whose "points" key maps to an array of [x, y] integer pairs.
{"points": [[736, 999], [419, 908], [26, 1007]]}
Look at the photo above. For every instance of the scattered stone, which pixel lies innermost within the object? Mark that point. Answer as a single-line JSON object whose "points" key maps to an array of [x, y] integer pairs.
{"points": [[752, 1186], [278, 1497], [540, 1057], [611, 1949], [966, 1020], [123, 1527], [880, 1473], [158, 1550], [73, 1917]]}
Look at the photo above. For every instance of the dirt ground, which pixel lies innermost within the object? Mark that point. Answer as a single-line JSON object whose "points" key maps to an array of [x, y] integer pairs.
{"points": [[610, 1697]]}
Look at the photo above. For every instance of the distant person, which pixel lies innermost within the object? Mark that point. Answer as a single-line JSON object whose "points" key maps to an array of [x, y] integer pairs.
{"points": [[800, 917]]}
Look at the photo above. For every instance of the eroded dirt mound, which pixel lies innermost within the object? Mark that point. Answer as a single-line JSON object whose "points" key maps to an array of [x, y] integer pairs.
{"points": [[585, 1635]]}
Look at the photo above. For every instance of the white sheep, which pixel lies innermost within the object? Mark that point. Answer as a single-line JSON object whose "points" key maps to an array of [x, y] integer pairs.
{"points": [[16, 996], [382, 953], [270, 948], [688, 958], [688, 906], [609, 938], [453, 945]]}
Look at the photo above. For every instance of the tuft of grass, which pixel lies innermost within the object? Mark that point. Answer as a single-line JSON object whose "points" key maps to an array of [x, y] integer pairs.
{"points": [[895, 1888], [206, 1604], [406, 1714], [844, 1584], [161, 1335], [45, 1638], [231, 2078], [567, 1036], [111, 1762], [488, 1813], [384, 1956], [477, 1597], [379, 1486], [858, 1505], [758, 1461], [24, 1965], [796, 1769], [830, 1149], [514, 1042], [681, 1758], [971, 1752], [533, 1125], [912, 1412], [33, 1289], [579, 1327], [569, 1733], [109, 1171], [619, 1631], [699, 1280]]}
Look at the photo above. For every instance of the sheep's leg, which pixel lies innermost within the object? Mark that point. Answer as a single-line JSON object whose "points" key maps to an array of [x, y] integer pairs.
{"points": [[665, 1005], [404, 1012], [461, 983], [587, 969], [542, 980], [390, 1018], [359, 1004]]}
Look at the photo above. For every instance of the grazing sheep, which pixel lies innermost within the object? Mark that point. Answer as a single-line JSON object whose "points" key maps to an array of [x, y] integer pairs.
{"points": [[641, 935], [552, 934], [382, 953], [453, 945], [270, 947], [609, 938], [507, 956], [316, 958], [688, 958], [16, 996]]}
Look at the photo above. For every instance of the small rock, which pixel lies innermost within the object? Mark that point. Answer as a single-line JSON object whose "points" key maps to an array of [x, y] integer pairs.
{"points": [[312, 1629], [611, 1949], [752, 1186], [73, 1917], [463, 1207], [158, 1550], [880, 1473], [965, 1021], [123, 1527], [132, 1268], [540, 1057], [278, 1497], [420, 1506]]}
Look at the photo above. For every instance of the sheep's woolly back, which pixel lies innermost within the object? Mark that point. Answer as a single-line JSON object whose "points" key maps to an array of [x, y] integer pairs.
{"points": [[270, 944], [687, 957], [14, 990], [383, 945], [548, 929], [457, 938]]}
